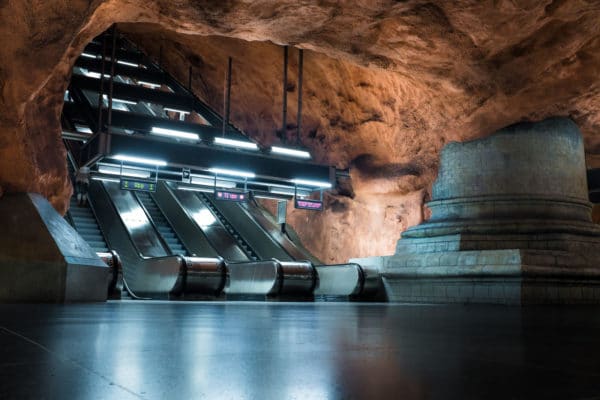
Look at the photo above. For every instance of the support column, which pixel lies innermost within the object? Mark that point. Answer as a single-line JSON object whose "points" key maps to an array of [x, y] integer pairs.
{"points": [[42, 258]]}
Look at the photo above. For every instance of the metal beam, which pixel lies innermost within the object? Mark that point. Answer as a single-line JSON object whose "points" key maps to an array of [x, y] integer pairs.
{"points": [[141, 74], [130, 56], [200, 157]]}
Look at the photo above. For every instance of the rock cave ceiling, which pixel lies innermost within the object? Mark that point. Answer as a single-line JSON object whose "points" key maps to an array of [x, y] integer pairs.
{"points": [[387, 83]]}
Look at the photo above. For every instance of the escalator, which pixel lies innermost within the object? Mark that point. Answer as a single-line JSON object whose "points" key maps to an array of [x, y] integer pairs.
{"points": [[148, 269], [207, 225], [161, 224], [149, 272], [83, 220], [246, 227], [242, 243], [291, 245]]}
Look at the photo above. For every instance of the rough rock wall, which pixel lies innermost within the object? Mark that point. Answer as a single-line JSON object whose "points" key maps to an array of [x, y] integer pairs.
{"points": [[388, 83]]}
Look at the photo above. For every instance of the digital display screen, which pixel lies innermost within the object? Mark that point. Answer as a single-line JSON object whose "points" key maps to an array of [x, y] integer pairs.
{"points": [[230, 195], [136, 184], [314, 205]]}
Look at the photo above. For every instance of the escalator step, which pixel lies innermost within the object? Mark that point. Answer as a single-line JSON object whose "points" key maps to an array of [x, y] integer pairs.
{"points": [[92, 238], [96, 243]]}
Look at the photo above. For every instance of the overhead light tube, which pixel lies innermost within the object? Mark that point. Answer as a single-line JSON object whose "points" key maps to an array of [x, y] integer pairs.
{"points": [[176, 110], [290, 152], [310, 183], [129, 64], [133, 103], [235, 143], [174, 133], [139, 160], [153, 85]]}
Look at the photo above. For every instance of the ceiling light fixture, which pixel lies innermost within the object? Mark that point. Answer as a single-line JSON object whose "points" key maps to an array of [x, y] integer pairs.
{"points": [[140, 160], [153, 85], [290, 152], [174, 133], [129, 64], [176, 110], [310, 183], [236, 143]]}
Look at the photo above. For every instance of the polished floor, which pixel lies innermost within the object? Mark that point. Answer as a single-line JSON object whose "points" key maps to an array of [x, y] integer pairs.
{"points": [[161, 350]]}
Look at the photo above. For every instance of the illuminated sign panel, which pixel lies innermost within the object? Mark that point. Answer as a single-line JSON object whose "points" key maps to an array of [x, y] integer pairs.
{"points": [[314, 205], [231, 195], [139, 185]]}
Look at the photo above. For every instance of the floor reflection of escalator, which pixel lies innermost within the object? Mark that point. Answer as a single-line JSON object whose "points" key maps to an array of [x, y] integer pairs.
{"points": [[161, 224]]}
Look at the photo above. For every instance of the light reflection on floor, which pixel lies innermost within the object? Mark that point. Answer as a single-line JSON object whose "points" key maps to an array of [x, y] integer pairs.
{"points": [[252, 350]]}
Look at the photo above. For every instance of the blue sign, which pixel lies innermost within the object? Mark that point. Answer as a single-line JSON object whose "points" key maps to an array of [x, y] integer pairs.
{"points": [[139, 185]]}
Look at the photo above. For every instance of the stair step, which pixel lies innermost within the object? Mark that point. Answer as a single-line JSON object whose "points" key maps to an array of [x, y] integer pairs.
{"points": [[92, 238]]}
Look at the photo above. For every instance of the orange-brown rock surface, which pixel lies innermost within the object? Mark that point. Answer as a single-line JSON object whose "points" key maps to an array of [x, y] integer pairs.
{"points": [[387, 83]]}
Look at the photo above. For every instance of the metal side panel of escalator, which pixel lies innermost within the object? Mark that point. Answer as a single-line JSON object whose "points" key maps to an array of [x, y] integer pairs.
{"points": [[183, 223], [161, 224], [270, 226], [211, 227], [244, 225]]}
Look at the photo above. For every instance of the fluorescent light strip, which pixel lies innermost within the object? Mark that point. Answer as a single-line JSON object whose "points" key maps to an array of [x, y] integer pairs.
{"points": [[174, 133], [127, 63], [83, 129], [140, 160], [124, 172], [121, 100], [176, 110], [306, 182], [101, 178], [235, 143], [88, 55], [232, 172], [290, 152], [153, 85], [95, 75]]}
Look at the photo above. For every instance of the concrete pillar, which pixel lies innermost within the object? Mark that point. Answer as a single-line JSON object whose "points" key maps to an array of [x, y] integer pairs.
{"points": [[42, 258], [511, 223]]}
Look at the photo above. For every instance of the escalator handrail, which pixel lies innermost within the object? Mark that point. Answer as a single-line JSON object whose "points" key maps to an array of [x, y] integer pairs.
{"points": [[175, 197], [222, 219], [255, 211], [134, 247], [139, 253], [90, 204]]}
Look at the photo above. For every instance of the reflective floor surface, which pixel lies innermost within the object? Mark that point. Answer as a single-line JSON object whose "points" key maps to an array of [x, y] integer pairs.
{"points": [[161, 350]]}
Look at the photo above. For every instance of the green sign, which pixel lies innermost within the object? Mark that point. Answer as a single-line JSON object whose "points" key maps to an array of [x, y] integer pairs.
{"points": [[137, 184]]}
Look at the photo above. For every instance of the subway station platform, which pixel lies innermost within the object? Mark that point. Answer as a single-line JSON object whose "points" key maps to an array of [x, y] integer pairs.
{"points": [[215, 350]]}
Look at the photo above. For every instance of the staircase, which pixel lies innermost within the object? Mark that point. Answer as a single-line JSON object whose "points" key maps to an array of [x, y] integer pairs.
{"points": [[85, 224], [239, 240], [161, 224]]}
